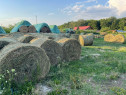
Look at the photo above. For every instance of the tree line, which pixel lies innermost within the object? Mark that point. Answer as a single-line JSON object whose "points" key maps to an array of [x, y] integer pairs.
{"points": [[111, 23]]}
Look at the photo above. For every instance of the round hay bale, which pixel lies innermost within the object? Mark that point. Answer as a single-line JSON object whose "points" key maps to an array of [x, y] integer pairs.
{"points": [[120, 38], [86, 40], [52, 49], [71, 49], [109, 38], [29, 62], [23, 29], [26, 38], [31, 29], [45, 30], [75, 36]]}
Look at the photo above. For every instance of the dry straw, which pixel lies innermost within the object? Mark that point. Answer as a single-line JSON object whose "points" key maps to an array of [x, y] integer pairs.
{"points": [[109, 38], [71, 49], [52, 49], [120, 38], [29, 62]]}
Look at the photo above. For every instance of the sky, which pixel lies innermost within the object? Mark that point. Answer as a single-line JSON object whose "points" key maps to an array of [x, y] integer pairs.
{"points": [[57, 12]]}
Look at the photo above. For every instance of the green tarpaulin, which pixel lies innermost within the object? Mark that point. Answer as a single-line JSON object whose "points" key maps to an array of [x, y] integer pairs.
{"points": [[40, 26], [2, 30], [54, 29], [19, 24]]}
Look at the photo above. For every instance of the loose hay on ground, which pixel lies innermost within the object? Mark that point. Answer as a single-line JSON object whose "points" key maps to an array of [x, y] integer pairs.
{"points": [[52, 49], [30, 62], [71, 49]]}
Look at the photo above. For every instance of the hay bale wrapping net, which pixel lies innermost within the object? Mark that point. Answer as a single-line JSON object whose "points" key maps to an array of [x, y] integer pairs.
{"points": [[26, 38], [29, 62], [71, 49], [52, 49]]}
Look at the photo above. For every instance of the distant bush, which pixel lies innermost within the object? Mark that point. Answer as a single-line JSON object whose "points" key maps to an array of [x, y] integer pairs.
{"points": [[86, 31], [9, 28], [105, 29]]}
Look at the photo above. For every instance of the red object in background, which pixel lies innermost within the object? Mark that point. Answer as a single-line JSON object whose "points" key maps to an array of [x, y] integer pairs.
{"points": [[83, 27]]}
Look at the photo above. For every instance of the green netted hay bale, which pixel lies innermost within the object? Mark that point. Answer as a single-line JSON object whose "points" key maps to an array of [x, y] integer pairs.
{"points": [[52, 49], [16, 35], [29, 62], [71, 49], [75, 36]]}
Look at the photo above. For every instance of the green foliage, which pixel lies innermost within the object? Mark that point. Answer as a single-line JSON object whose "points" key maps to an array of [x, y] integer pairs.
{"points": [[58, 92], [9, 87], [113, 23], [118, 91], [124, 28], [9, 28], [105, 29]]}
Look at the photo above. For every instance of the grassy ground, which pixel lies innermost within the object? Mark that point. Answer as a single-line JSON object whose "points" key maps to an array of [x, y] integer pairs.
{"points": [[100, 71]]}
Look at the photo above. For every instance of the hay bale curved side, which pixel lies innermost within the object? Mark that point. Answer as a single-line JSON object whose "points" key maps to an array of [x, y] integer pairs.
{"points": [[109, 38], [23, 29], [26, 39], [71, 49], [15, 35], [4, 41], [120, 38], [86, 40], [29, 62], [42, 28], [31, 29], [52, 49]]}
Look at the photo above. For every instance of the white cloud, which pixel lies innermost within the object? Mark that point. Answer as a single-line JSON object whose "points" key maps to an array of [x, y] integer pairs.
{"points": [[120, 5], [80, 11], [77, 8], [50, 14]]}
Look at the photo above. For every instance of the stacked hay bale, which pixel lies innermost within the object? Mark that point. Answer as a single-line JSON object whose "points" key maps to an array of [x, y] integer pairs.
{"points": [[24, 27], [115, 38], [71, 49], [86, 40], [26, 38], [75, 36], [52, 49], [4, 41], [29, 62], [42, 28]]}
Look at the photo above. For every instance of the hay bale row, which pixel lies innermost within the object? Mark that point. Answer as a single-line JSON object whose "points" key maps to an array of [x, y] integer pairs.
{"points": [[27, 29], [115, 38], [86, 40]]}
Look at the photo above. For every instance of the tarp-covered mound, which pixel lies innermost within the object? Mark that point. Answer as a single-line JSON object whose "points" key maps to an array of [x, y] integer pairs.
{"points": [[2, 30], [42, 28], [54, 29], [19, 24]]}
